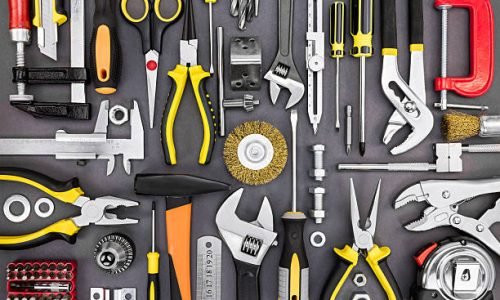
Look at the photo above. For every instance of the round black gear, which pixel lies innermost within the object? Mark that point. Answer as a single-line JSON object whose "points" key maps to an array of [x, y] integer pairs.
{"points": [[114, 253]]}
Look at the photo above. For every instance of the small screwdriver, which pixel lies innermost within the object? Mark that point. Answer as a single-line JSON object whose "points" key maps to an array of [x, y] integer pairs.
{"points": [[362, 34], [105, 48], [211, 30], [153, 262], [294, 266], [337, 37]]}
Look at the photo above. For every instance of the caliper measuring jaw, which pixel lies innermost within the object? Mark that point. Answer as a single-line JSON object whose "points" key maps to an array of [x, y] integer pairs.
{"points": [[86, 146]]}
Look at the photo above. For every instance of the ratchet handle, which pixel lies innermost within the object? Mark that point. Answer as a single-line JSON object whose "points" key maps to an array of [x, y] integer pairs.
{"points": [[19, 14], [247, 280], [337, 29], [389, 31], [285, 31], [481, 52], [416, 25]]}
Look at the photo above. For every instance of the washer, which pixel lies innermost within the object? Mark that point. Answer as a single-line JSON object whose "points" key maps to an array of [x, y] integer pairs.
{"points": [[118, 115], [17, 198], [321, 236], [39, 203]]}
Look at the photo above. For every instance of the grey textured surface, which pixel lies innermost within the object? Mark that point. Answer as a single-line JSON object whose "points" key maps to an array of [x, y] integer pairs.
{"points": [[337, 226]]}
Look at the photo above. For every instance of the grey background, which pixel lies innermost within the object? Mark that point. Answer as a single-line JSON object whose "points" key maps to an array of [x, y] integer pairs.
{"points": [[337, 226]]}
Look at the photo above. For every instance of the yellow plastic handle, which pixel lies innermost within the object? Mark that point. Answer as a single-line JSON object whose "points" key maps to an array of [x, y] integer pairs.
{"points": [[169, 19], [64, 229], [376, 258], [129, 17]]}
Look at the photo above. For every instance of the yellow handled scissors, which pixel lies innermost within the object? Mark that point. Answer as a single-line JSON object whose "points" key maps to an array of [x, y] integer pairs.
{"points": [[151, 24]]}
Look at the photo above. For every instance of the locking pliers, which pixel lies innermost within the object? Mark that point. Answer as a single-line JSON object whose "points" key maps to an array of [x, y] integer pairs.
{"points": [[445, 198]]}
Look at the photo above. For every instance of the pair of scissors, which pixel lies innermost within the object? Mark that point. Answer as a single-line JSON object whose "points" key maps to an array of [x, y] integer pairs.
{"points": [[151, 24]]}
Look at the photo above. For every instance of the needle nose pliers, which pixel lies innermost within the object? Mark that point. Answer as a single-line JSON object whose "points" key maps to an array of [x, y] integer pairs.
{"points": [[188, 67], [92, 211], [363, 244]]}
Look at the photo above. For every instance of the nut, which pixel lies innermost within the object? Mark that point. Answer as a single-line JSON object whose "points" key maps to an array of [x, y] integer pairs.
{"points": [[318, 147], [360, 296], [318, 174], [359, 280], [118, 115], [317, 213]]}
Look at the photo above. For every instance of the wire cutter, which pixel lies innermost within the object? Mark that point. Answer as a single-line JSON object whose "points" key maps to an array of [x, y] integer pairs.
{"points": [[92, 211], [151, 24], [444, 198], [188, 67], [363, 244]]}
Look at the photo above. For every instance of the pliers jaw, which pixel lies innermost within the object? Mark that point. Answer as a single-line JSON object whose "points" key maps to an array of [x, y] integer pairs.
{"points": [[189, 52], [97, 211]]}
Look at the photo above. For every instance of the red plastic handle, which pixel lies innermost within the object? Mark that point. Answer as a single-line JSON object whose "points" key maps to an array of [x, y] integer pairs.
{"points": [[482, 50], [19, 14]]}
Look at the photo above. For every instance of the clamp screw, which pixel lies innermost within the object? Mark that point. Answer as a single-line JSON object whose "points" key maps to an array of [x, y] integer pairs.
{"points": [[318, 212], [318, 172]]}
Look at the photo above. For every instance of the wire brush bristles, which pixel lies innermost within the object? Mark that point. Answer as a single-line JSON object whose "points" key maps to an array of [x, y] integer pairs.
{"points": [[268, 172], [457, 126]]}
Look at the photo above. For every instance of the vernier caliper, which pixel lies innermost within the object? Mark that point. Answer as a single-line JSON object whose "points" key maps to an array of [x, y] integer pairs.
{"points": [[315, 58]]}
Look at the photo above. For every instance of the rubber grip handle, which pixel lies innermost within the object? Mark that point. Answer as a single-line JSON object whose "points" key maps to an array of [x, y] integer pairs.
{"points": [[105, 61], [65, 191], [179, 77], [389, 26], [19, 14], [153, 276], [247, 281], [294, 256], [178, 224], [347, 260], [337, 29], [377, 259], [285, 32], [362, 28], [62, 230], [416, 22]]}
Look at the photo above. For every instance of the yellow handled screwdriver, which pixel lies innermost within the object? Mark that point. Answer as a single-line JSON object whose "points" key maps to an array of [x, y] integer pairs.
{"points": [[362, 34], [294, 266], [337, 37], [153, 262]]}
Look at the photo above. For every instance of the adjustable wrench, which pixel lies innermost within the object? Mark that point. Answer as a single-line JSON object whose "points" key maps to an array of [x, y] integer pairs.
{"points": [[248, 242], [417, 74], [411, 107], [283, 72]]}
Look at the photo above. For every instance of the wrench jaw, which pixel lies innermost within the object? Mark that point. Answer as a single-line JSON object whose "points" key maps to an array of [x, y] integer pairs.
{"points": [[431, 218], [414, 111], [414, 193], [248, 242], [283, 74]]}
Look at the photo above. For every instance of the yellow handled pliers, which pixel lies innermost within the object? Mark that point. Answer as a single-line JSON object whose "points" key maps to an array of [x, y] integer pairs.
{"points": [[92, 211], [189, 68], [363, 244]]}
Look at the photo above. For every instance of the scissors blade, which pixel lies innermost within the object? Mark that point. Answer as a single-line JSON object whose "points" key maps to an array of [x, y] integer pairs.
{"points": [[152, 58]]}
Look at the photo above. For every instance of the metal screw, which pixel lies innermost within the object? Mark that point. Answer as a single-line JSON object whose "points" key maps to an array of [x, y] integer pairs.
{"points": [[457, 220], [446, 194], [318, 212], [480, 228], [318, 172]]}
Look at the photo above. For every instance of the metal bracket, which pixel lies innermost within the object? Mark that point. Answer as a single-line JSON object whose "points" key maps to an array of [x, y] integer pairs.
{"points": [[246, 64]]}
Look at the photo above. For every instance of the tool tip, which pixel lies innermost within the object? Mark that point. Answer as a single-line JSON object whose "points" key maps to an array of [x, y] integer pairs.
{"points": [[315, 129], [362, 148], [348, 149]]}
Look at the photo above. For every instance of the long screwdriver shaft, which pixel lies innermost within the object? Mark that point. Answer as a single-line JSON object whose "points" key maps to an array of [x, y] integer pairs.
{"points": [[362, 106]]}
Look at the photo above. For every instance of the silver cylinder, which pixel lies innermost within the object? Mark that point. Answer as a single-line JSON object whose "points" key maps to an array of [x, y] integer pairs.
{"points": [[490, 126]]}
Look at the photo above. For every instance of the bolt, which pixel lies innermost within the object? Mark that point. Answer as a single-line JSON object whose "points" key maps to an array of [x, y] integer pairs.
{"points": [[318, 172], [317, 213]]}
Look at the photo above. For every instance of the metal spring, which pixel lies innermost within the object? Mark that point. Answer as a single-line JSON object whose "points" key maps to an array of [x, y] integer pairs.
{"points": [[281, 70], [251, 245]]}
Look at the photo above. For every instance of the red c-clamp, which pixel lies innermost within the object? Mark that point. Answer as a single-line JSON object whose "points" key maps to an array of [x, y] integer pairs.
{"points": [[482, 55]]}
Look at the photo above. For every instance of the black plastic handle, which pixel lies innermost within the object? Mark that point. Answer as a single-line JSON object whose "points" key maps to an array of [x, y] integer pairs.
{"points": [[285, 30], [390, 278], [389, 29], [58, 75], [248, 280], [175, 291], [45, 239], [335, 278], [153, 287], [60, 7], [54, 110], [416, 22]]}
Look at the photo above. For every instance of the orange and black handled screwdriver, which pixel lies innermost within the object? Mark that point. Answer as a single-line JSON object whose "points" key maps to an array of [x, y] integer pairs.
{"points": [[153, 262], [105, 61]]}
